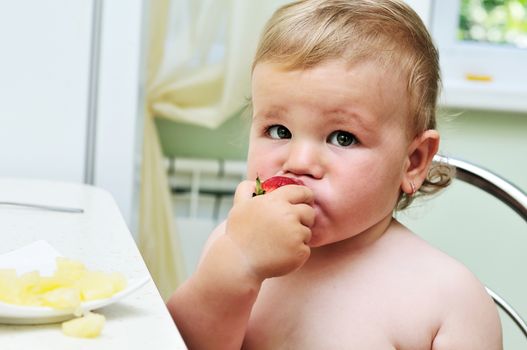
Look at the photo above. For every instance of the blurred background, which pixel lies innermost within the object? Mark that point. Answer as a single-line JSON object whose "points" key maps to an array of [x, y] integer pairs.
{"points": [[147, 99]]}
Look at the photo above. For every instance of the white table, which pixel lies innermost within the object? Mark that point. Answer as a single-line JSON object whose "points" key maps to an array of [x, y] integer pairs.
{"points": [[99, 238]]}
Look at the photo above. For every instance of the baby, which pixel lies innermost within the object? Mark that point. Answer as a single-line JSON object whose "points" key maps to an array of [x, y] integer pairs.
{"points": [[344, 96]]}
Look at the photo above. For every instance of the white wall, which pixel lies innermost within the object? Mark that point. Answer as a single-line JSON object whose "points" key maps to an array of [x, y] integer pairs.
{"points": [[45, 69]]}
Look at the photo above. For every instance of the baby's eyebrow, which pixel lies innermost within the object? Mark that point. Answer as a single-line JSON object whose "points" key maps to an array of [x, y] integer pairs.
{"points": [[272, 111], [342, 116]]}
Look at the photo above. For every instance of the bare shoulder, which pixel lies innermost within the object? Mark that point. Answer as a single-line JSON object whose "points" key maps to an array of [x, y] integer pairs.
{"points": [[467, 315], [470, 318]]}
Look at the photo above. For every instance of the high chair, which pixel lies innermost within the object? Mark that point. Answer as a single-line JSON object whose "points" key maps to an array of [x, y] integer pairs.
{"points": [[507, 193]]}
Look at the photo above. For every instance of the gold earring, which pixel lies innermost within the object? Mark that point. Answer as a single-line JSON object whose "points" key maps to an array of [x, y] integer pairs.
{"points": [[413, 188]]}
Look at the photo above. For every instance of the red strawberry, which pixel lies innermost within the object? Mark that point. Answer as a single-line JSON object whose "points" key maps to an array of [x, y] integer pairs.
{"points": [[273, 183]]}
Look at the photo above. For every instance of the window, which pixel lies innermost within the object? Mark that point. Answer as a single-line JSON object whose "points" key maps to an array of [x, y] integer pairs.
{"points": [[501, 22], [483, 52]]}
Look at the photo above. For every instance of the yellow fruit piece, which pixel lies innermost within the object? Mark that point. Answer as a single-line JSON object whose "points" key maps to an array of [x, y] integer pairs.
{"points": [[67, 288], [62, 298], [88, 326], [48, 283], [68, 270], [118, 281], [99, 285], [9, 289], [68, 264], [28, 287], [29, 281]]}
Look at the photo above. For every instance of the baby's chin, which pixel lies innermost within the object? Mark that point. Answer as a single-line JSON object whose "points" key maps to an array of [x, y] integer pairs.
{"points": [[321, 230], [319, 241], [325, 234]]}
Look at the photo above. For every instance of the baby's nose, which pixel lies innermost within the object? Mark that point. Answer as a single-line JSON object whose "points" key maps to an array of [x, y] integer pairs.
{"points": [[304, 158]]}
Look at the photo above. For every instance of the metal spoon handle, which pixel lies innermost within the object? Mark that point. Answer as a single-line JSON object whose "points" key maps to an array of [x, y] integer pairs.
{"points": [[44, 207]]}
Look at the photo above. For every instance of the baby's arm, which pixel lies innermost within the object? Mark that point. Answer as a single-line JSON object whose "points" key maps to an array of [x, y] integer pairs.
{"points": [[263, 237], [471, 320], [211, 309]]}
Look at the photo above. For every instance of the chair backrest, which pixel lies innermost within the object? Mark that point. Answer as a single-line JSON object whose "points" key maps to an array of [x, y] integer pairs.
{"points": [[507, 193]]}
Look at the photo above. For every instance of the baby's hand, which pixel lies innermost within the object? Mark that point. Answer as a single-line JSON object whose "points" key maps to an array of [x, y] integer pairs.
{"points": [[272, 231]]}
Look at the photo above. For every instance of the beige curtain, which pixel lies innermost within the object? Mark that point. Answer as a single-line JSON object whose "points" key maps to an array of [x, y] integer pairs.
{"points": [[199, 59], [157, 242]]}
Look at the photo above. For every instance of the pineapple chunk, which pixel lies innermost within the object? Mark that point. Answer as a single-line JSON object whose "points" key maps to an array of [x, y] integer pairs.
{"points": [[98, 285], [9, 289], [69, 271], [88, 326], [67, 264], [71, 284], [62, 298], [48, 283], [28, 287]]}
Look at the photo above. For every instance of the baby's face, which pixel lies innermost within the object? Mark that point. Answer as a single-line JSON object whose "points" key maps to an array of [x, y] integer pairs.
{"points": [[341, 130]]}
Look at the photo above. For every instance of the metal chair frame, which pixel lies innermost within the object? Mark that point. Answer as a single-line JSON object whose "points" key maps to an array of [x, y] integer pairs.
{"points": [[507, 193]]}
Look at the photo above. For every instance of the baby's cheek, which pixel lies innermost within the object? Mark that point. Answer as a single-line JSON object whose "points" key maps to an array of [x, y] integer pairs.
{"points": [[256, 164], [262, 165], [253, 169]]}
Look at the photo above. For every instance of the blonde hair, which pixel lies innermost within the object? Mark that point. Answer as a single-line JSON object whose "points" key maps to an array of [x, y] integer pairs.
{"points": [[305, 33]]}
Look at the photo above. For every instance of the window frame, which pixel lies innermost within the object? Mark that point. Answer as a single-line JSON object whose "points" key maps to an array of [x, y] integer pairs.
{"points": [[507, 88]]}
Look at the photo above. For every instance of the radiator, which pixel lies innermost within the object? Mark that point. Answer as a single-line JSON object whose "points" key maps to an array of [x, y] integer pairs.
{"points": [[202, 194]]}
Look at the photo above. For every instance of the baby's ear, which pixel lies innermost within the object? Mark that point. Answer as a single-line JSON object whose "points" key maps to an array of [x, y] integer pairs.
{"points": [[421, 151]]}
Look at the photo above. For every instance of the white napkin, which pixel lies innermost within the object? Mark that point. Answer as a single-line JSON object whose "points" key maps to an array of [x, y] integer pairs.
{"points": [[37, 256]]}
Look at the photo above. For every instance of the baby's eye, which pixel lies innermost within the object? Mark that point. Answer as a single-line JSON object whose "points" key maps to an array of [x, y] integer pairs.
{"points": [[342, 138], [278, 132]]}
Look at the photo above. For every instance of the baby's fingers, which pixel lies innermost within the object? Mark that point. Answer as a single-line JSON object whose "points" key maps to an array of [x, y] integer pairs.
{"points": [[296, 194], [306, 214], [244, 191]]}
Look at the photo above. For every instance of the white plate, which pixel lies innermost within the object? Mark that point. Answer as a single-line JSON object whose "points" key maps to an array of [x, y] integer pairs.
{"points": [[40, 256]]}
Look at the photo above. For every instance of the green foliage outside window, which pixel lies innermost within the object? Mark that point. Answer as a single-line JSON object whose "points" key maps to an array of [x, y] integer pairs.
{"points": [[494, 21]]}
